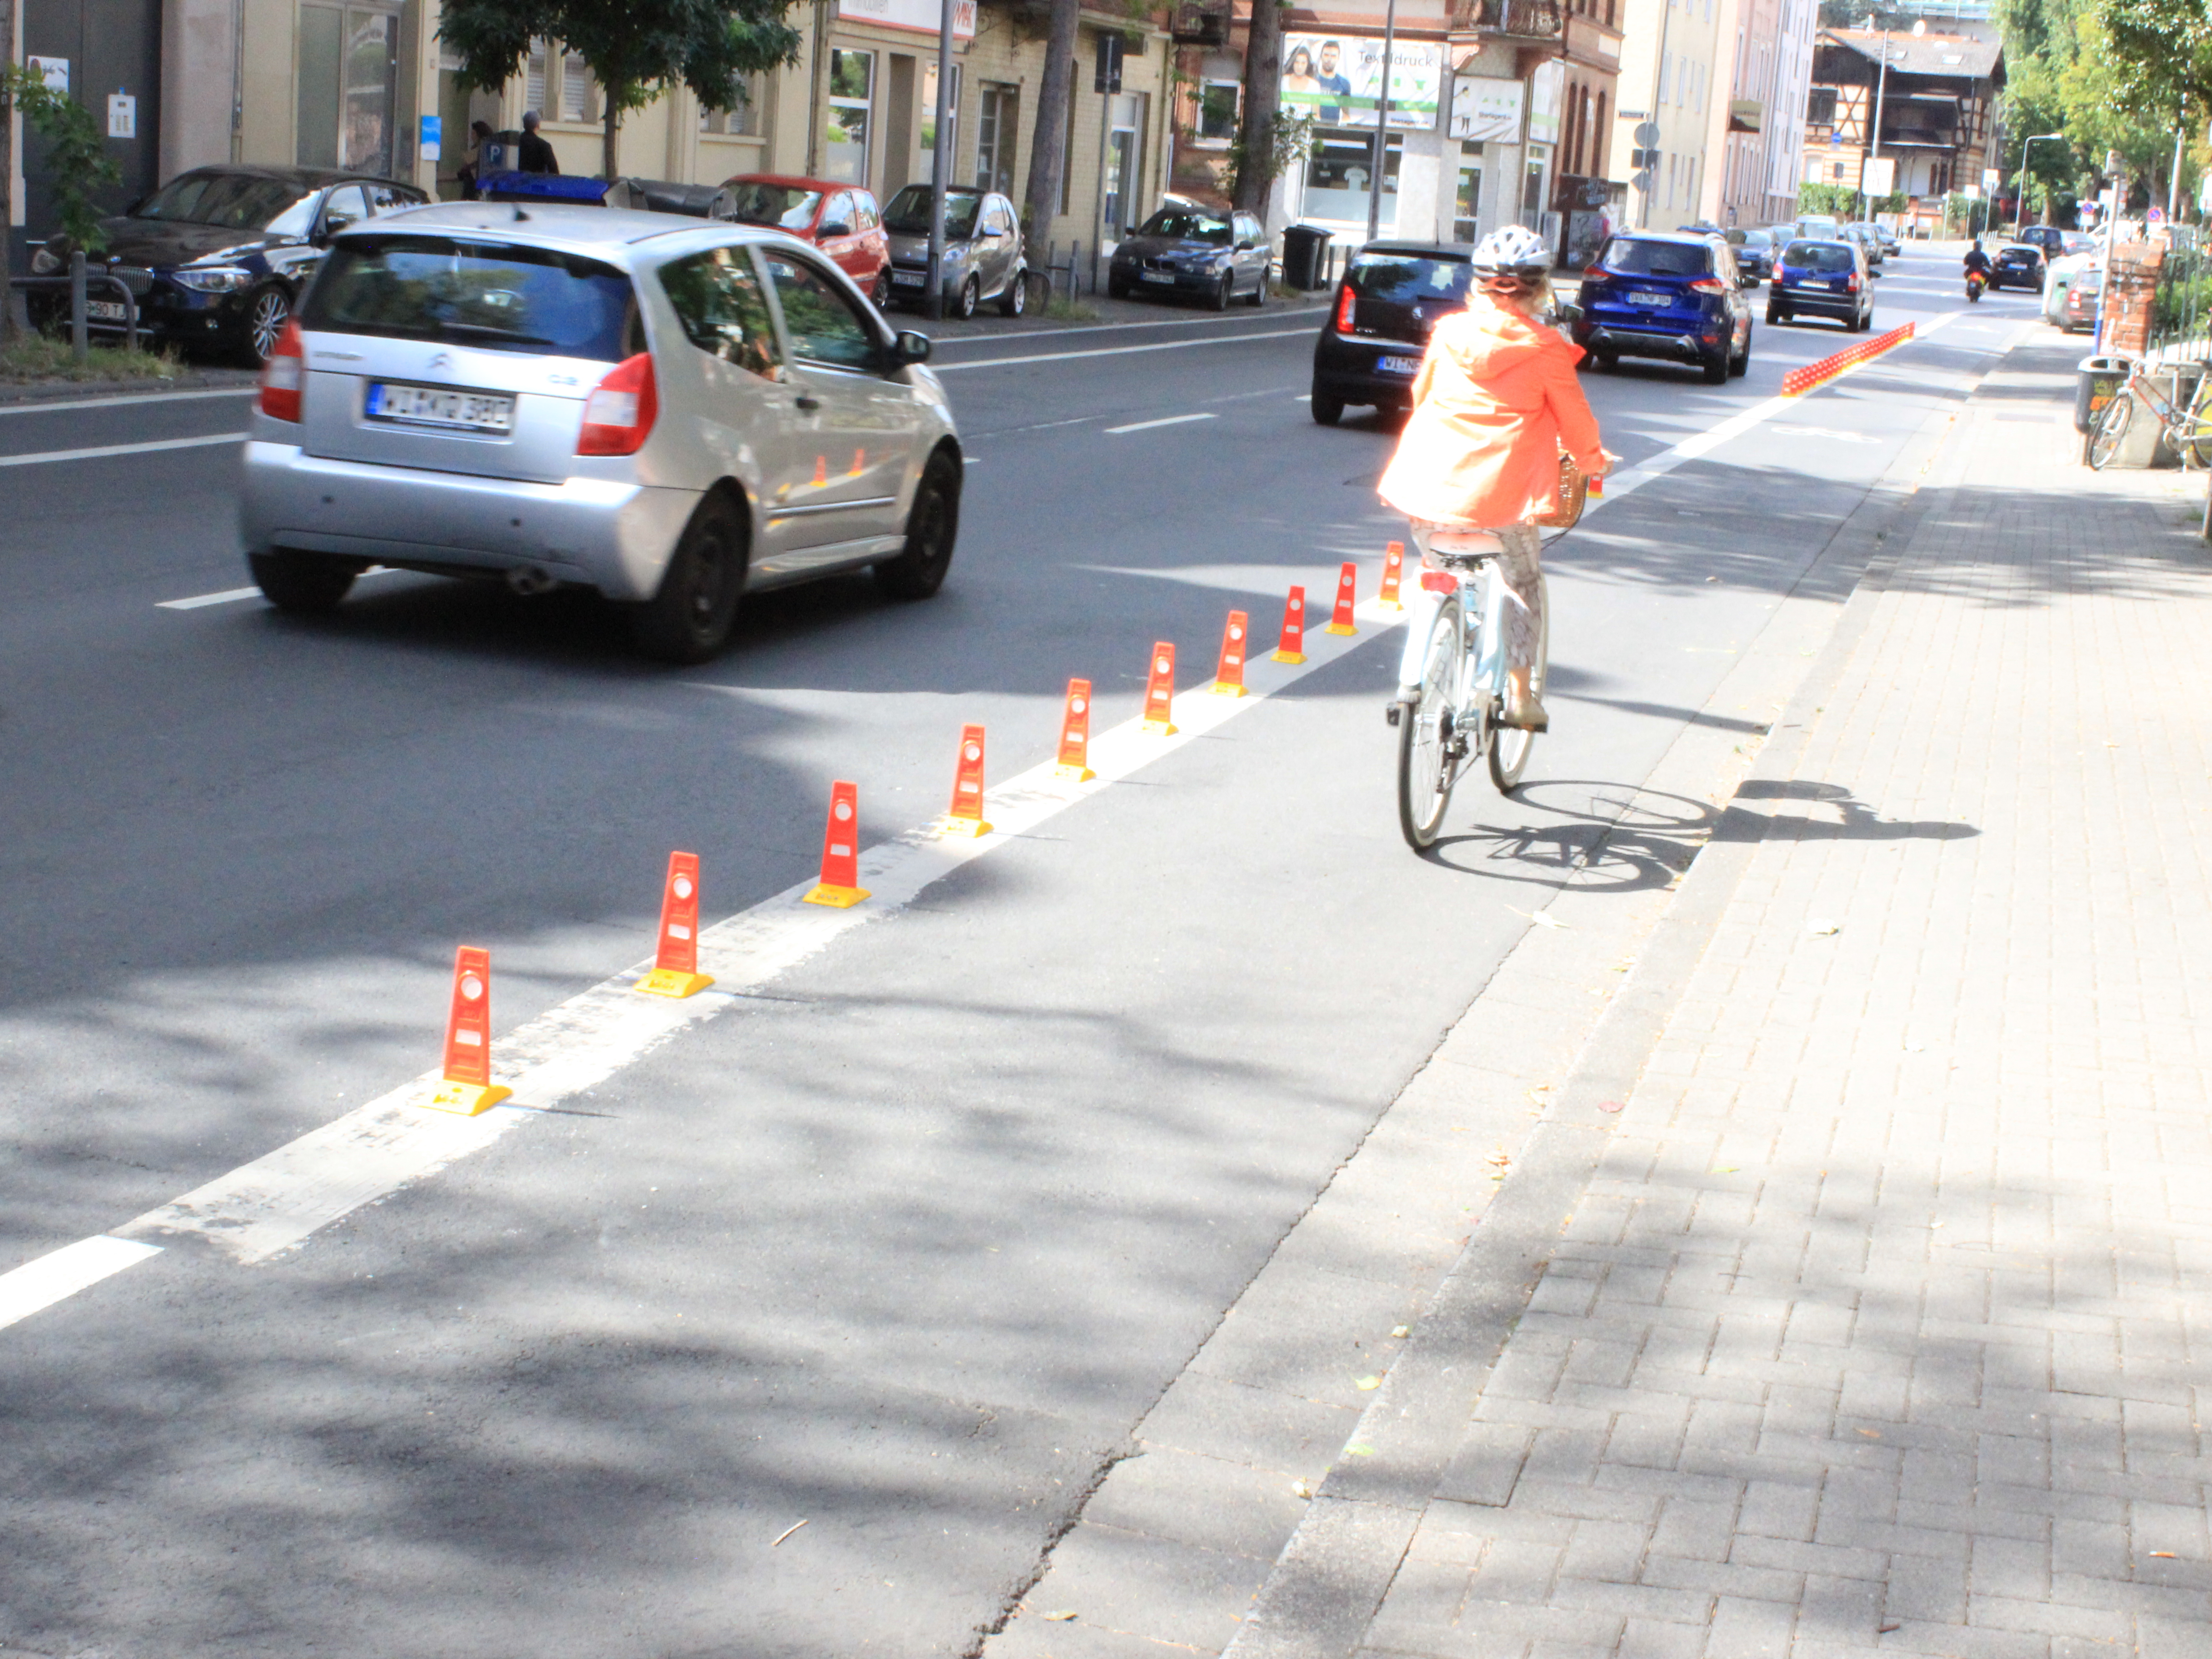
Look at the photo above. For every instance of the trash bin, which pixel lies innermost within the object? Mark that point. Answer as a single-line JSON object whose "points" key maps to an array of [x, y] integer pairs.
{"points": [[2101, 376], [1305, 256]]}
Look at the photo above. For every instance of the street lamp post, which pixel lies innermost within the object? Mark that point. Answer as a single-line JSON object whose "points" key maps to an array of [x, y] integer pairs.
{"points": [[2020, 222], [1382, 123], [1881, 91]]}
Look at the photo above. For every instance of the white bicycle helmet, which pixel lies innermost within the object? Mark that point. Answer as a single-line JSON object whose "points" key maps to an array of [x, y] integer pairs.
{"points": [[1516, 250]]}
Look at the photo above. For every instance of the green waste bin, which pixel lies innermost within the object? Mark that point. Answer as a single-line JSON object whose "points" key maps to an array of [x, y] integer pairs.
{"points": [[2099, 377]]}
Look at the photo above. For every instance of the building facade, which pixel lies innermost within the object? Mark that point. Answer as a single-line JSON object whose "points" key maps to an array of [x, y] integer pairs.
{"points": [[1936, 104], [349, 83]]}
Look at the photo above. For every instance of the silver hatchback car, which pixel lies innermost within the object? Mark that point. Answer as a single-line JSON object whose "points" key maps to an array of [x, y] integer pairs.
{"points": [[673, 413]]}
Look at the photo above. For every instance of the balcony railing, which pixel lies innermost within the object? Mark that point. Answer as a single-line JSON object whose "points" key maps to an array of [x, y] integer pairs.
{"points": [[1529, 19]]}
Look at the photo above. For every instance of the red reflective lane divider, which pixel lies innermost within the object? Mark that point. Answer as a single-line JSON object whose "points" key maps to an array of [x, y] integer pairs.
{"points": [[1798, 381], [1293, 645], [467, 1087], [1228, 678], [965, 815], [839, 886], [1075, 734], [676, 957], [1160, 692]]}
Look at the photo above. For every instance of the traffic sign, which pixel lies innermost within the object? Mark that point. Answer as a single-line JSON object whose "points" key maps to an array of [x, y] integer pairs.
{"points": [[1646, 134]]}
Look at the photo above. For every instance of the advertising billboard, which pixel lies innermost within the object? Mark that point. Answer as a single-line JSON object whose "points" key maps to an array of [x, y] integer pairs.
{"points": [[1487, 110], [1337, 80]]}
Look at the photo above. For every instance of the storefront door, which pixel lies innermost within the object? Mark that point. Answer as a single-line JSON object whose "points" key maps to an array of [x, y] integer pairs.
{"points": [[347, 109]]}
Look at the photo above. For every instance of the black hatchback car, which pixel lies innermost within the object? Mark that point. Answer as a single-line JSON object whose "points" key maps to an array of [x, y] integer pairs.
{"points": [[1371, 348], [2019, 265], [1678, 297], [216, 257]]}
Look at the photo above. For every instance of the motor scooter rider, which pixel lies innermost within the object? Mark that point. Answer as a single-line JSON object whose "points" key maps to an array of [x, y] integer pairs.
{"points": [[1977, 260]]}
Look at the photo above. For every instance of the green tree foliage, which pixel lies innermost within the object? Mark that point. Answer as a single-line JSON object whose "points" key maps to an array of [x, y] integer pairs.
{"points": [[76, 153], [636, 48], [2161, 50]]}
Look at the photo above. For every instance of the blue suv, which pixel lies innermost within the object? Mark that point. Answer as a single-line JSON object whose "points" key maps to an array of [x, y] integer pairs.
{"points": [[1680, 297]]}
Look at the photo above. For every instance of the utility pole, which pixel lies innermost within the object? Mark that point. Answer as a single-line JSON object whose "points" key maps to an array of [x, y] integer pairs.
{"points": [[1873, 138], [1658, 93], [1382, 122], [940, 162], [7, 172]]}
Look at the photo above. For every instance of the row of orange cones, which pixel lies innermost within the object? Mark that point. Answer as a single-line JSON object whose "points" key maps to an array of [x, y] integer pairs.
{"points": [[466, 1086]]}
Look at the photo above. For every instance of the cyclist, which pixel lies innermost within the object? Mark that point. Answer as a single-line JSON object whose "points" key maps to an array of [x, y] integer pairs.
{"points": [[1495, 402]]}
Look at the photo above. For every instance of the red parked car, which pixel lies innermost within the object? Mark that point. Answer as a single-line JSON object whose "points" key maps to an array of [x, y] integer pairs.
{"points": [[841, 219]]}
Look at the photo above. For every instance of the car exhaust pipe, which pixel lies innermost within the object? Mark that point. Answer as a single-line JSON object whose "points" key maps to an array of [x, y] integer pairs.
{"points": [[529, 579]]}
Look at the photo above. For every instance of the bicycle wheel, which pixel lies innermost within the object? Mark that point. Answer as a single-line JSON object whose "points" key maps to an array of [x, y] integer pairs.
{"points": [[1426, 767], [1508, 744], [2112, 428]]}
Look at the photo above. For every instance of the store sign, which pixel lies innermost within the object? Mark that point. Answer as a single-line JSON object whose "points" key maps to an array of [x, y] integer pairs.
{"points": [[1337, 80], [921, 16], [1548, 90], [1487, 110]]}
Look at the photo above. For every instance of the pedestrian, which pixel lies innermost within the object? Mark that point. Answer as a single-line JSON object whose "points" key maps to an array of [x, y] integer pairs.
{"points": [[534, 154], [471, 169], [1494, 405]]}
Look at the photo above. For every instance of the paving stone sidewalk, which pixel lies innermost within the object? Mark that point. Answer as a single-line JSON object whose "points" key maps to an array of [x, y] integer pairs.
{"points": [[1883, 1325]]}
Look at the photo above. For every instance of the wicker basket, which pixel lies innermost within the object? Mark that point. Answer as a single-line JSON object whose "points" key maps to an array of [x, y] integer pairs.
{"points": [[1567, 505]]}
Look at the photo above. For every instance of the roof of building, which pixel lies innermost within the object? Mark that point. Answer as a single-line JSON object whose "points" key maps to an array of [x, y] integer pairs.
{"points": [[1959, 55]]}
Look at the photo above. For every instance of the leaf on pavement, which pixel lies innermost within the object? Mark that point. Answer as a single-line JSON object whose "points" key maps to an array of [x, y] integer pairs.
{"points": [[1369, 1383]]}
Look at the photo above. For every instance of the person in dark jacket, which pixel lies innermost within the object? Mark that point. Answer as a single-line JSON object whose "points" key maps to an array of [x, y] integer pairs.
{"points": [[480, 134], [535, 155]]}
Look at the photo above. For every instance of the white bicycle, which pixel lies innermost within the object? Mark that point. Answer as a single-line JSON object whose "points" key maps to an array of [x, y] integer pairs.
{"points": [[1452, 687]]}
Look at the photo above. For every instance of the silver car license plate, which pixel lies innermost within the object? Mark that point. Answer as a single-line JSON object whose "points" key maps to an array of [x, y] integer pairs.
{"points": [[1400, 365], [103, 311], [1643, 297], [908, 278], [440, 406], [1157, 275]]}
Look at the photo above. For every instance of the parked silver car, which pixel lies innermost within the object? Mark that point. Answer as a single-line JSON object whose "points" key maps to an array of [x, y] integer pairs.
{"points": [[672, 413], [983, 257]]}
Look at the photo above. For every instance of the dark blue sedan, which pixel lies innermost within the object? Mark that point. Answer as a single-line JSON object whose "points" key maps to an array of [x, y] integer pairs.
{"points": [[216, 257]]}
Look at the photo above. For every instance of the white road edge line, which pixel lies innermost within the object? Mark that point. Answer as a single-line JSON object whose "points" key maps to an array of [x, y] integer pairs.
{"points": [[56, 405], [278, 1200], [1146, 425], [232, 595], [100, 450], [59, 1274], [1118, 351]]}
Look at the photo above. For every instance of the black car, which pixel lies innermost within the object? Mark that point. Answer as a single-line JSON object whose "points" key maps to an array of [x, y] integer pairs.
{"points": [[2049, 238], [1194, 250], [1371, 348], [2019, 265], [1822, 276], [1680, 297], [216, 257]]}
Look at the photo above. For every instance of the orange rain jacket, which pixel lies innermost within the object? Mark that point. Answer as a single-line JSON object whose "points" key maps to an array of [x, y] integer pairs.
{"points": [[1495, 402]]}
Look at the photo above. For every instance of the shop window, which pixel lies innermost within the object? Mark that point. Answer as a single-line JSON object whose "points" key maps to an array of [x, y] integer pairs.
{"points": [[1218, 102], [1339, 177], [852, 97], [998, 127], [348, 88]]}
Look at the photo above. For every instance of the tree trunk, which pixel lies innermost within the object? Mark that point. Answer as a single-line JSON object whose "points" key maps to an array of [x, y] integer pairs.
{"points": [[607, 142], [1048, 143], [6, 173], [1255, 133]]}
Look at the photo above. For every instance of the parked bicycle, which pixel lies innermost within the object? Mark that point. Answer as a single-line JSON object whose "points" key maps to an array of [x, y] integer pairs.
{"points": [[2186, 430], [1452, 688]]}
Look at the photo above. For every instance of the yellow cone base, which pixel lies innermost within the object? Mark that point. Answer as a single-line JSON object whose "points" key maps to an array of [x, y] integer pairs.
{"points": [[672, 982], [838, 898], [1391, 605], [1160, 728], [465, 1099], [1287, 656], [1339, 628], [1074, 774], [965, 828], [1220, 689]]}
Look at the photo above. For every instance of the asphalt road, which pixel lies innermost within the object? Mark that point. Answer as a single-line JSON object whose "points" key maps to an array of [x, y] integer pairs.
{"points": [[900, 1248]]}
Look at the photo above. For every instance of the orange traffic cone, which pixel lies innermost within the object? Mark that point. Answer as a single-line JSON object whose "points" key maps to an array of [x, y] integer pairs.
{"points": [[965, 815], [1293, 645], [1229, 678], [1347, 585], [1160, 692], [821, 470], [466, 1086], [676, 957], [1075, 734], [839, 886], [1394, 572]]}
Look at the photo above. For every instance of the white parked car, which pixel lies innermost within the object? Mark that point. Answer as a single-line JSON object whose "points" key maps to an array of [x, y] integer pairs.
{"points": [[2063, 273], [672, 412]]}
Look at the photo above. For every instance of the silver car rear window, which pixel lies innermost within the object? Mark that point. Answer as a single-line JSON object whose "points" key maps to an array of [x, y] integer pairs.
{"points": [[538, 301]]}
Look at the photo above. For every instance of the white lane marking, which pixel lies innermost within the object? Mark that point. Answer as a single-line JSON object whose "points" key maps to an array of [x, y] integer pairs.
{"points": [[1832, 434], [1146, 425], [228, 595], [98, 451], [232, 595], [1121, 351], [277, 1200], [60, 405], [61, 1274], [946, 342]]}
